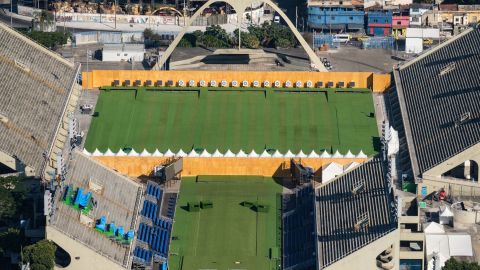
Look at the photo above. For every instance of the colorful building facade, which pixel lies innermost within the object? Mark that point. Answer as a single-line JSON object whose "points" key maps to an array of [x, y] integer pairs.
{"points": [[379, 23], [336, 18], [400, 23]]}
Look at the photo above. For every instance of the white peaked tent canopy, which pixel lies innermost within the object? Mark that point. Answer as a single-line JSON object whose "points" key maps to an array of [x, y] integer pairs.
{"points": [[289, 154], [145, 153], [97, 153], [169, 153], [109, 153], [349, 155], [331, 171], [337, 155], [180, 153], [301, 154], [121, 153], [277, 154], [133, 153], [217, 154], [325, 154], [85, 152], [205, 153], [350, 166], [433, 227], [393, 143], [193, 153], [229, 154], [361, 154], [313, 154], [253, 154], [157, 153], [241, 154], [265, 154]]}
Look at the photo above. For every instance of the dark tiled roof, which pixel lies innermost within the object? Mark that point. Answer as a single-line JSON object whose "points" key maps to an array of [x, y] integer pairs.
{"points": [[338, 211], [35, 86], [434, 92]]}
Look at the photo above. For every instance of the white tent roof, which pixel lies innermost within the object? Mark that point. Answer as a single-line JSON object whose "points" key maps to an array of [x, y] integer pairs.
{"points": [[145, 153], [133, 153], [97, 153], [169, 153], [350, 166], [121, 153], [446, 212], [156, 153], [180, 153], [300, 154], [86, 152], [337, 155], [460, 245], [229, 154], [313, 154], [205, 153], [331, 171], [349, 155], [109, 153], [393, 143], [241, 154], [433, 227], [217, 154], [265, 154], [361, 155], [289, 154], [277, 154], [325, 154], [193, 153], [253, 154]]}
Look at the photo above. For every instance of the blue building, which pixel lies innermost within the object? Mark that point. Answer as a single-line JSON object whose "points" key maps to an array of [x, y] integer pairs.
{"points": [[379, 23], [335, 18]]}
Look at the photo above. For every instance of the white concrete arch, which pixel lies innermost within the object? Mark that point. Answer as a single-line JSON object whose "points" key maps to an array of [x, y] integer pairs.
{"points": [[240, 6]]}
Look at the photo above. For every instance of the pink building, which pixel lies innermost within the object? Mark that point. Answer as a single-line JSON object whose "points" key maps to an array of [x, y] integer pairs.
{"points": [[400, 23]]}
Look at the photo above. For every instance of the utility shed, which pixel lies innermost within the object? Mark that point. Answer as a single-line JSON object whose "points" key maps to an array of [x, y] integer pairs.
{"points": [[123, 52]]}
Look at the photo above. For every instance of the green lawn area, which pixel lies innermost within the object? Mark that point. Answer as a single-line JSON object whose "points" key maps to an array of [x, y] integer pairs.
{"points": [[219, 237], [272, 119]]}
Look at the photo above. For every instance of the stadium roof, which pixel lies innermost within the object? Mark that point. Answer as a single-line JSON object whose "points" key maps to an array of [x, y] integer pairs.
{"points": [[118, 200], [35, 87], [338, 210], [439, 95]]}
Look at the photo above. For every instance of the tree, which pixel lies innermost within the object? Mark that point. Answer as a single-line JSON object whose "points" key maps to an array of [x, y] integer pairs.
{"points": [[12, 195], [188, 41], [44, 18], [453, 264], [10, 240], [48, 39], [40, 255]]}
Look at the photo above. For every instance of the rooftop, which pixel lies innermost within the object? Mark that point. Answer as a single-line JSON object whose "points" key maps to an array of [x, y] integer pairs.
{"points": [[117, 198], [36, 85], [346, 221], [439, 95]]}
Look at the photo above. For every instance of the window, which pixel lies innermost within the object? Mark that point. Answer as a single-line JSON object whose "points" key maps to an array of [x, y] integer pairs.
{"points": [[375, 20], [332, 17], [118, 54], [351, 18], [125, 54], [399, 22]]}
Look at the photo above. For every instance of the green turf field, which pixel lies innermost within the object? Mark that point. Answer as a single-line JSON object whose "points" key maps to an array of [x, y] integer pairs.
{"points": [[216, 238], [272, 119]]}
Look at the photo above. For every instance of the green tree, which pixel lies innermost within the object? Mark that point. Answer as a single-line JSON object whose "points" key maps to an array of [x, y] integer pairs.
{"points": [[10, 240], [216, 37], [40, 255], [453, 264], [12, 195], [188, 40]]}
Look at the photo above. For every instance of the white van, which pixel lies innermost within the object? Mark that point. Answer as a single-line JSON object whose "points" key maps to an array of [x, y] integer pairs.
{"points": [[341, 38], [276, 19]]}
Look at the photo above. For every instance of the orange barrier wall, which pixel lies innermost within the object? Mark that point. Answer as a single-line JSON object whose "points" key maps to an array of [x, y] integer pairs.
{"points": [[99, 78], [278, 167]]}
